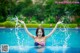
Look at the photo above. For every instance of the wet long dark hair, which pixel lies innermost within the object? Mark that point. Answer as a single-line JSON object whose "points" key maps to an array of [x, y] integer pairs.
{"points": [[42, 31]]}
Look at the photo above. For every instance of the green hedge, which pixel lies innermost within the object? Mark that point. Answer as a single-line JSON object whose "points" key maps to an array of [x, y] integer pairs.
{"points": [[9, 24], [2, 24], [68, 25], [53, 25]]}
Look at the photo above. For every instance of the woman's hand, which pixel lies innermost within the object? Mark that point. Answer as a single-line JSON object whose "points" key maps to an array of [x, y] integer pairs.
{"points": [[59, 22], [21, 21]]}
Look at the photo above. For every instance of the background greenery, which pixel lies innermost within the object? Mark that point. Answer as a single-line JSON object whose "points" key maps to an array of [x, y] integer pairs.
{"points": [[39, 11]]}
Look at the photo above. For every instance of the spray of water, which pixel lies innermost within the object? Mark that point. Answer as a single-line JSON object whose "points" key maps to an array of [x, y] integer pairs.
{"points": [[67, 36], [16, 29], [16, 33], [65, 41]]}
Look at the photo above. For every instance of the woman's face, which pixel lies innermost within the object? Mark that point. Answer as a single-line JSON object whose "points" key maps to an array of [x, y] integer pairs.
{"points": [[40, 33]]}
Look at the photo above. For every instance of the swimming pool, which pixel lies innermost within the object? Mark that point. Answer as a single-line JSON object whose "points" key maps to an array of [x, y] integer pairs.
{"points": [[55, 43]]}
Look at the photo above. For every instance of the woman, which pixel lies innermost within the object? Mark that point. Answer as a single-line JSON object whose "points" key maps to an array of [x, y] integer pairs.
{"points": [[40, 37]]}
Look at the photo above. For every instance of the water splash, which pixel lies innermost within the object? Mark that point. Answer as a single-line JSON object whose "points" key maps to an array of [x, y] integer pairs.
{"points": [[20, 39], [16, 33], [66, 34], [16, 29]]}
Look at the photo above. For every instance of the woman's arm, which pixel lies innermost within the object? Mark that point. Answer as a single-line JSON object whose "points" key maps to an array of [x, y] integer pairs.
{"points": [[53, 30], [27, 30]]}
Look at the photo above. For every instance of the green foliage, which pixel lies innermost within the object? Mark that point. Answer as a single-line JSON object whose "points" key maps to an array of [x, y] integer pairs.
{"points": [[9, 18], [12, 24], [46, 25], [50, 19], [32, 25], [67, 26], [2, 24], [78, 20], [37, 12], [1, 19], [65, 19], [72, 25], [9, 24]]}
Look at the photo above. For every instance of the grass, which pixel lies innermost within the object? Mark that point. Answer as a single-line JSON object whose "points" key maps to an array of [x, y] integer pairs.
{"points": [[9, 24]]}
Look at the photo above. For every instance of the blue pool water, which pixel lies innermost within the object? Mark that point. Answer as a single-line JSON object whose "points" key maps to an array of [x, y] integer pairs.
{"points": [[54, 44]]}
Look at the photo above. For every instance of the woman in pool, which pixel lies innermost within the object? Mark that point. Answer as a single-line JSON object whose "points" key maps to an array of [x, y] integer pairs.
{"points": [[40, 37]]}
